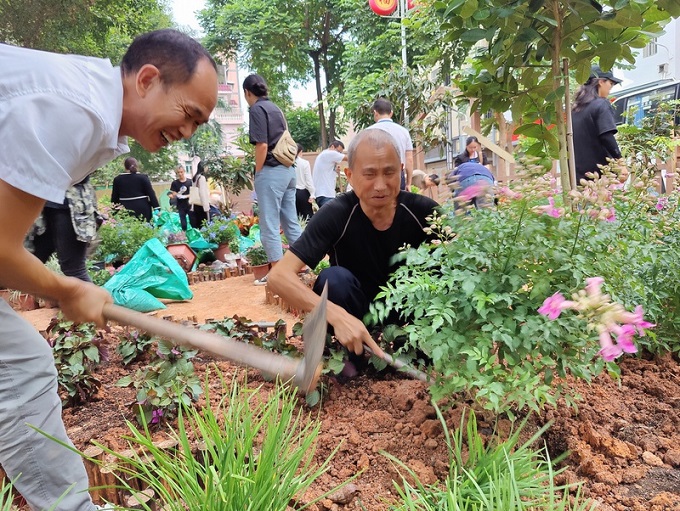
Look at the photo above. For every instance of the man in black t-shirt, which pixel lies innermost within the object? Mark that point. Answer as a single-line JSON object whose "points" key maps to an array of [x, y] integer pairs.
{"points": [[360, 231], [179, 190]]}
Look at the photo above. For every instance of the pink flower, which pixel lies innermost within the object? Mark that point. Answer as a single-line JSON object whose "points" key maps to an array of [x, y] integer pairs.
{"points": [[553, 305], [639, 321], [550, 209], [507, 192], [624, 338], [611, 215], [474, 190], [609, 351], [661, 203], [593, 285]]}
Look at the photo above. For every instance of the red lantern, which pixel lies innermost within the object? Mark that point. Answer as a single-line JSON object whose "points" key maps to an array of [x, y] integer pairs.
{"points": [[383, 7]]}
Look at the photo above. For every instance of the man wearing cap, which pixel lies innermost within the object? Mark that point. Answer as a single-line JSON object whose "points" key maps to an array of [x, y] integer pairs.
{"points": [[593, 124]]}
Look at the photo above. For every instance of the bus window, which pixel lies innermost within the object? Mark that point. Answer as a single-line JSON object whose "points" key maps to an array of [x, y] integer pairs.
{"points": [[646, 102]]}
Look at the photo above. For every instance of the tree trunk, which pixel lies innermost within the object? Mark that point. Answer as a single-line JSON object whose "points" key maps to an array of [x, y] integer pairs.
{"points": [[559, 104], [319, 99]]}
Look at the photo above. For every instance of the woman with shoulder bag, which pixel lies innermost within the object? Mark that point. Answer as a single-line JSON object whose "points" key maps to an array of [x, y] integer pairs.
{"points": [[199, 198], [274, 181]]}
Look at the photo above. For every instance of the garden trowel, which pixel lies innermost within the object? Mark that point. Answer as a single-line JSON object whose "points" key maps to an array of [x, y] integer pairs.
{"points": [[304, 372]]}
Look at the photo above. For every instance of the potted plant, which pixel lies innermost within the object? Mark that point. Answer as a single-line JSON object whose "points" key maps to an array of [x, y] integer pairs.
{"points": [[121, 236], [221, 232], [257, 258]]}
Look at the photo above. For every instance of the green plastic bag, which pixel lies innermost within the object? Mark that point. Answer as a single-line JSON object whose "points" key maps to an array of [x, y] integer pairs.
{"points": [[152, 273], [197, 242]]}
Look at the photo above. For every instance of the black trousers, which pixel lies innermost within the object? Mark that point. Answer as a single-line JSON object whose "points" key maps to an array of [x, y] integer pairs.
{"points": [[302, 204], [198, 216], [183, 211], [60, 237]]}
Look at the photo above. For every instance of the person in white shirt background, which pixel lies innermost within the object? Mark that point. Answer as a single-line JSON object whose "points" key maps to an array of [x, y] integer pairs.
{"points": [[304, 186], [326, 171]]}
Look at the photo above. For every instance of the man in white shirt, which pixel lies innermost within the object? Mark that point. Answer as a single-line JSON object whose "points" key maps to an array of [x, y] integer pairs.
{"points": [[382, 115], [326, 171], [305, 193], [62, 117]]}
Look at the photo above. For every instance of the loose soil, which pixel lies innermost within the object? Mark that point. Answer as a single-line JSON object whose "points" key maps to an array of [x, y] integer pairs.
{"points": [[624, 439]]}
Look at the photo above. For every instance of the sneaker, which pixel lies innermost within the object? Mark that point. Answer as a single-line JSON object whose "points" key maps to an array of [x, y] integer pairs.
{"points": [[262, 281]]}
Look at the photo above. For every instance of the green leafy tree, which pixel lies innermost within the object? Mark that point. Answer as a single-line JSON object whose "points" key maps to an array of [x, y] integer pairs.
{"points": [[521, 49], [303, 124], [104, 28], [287, 42]]}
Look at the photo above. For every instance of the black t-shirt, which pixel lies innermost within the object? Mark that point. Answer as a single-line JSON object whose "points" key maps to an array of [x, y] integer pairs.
{"points": [[266, 124], [181, 188], [594, 142], [342, 230]]}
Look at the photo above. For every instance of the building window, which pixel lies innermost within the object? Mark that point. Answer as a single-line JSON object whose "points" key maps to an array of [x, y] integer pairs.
{"points": [[650, 49]]}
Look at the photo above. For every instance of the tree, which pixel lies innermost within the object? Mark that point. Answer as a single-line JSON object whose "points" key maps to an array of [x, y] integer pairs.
{"points": [[104, 28], [303, 124], [286, 41], [522, 48]]}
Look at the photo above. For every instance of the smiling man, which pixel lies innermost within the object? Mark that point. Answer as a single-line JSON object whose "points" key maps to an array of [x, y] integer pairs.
{"points": [[360, 231], [62, 117]]}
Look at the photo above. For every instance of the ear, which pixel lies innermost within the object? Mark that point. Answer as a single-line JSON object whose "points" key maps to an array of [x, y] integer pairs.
{"points": [[147, 78], [348, 174]]}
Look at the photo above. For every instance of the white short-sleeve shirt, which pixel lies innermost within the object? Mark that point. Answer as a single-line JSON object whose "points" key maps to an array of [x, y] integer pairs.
{"points": [[59, 119], [400, 134], [324, 174]]}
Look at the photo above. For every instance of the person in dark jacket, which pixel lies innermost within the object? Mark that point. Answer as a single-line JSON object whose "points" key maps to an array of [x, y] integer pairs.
{"points": [[134, 191], [593, 124], [472, 153]]}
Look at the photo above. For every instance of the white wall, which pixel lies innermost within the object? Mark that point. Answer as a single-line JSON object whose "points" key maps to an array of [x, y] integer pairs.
{"points": [[647, 68]]}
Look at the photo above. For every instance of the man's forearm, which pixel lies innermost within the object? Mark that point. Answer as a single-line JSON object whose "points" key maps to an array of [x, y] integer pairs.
{"points": [[260, 156]]}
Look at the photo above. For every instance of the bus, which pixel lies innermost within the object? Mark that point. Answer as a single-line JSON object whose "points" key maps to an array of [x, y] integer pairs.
{"points": [[644, 99]]}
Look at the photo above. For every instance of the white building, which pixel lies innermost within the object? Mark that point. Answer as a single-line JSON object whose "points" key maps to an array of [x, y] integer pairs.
{"points": [[659, 60]]}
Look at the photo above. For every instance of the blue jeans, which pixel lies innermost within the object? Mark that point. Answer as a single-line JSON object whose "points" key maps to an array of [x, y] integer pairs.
{"points": [[275, 189], [28, 395], [478, 202]]}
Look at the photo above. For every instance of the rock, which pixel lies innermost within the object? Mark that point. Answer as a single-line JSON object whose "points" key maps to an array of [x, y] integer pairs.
{"points": [[403, 401], [633, 474], [364, 462], [431, 428], [422, 411], [431, 443], [651, 459], [424, 473], [345, 494], [672, 457], [664, 501]]}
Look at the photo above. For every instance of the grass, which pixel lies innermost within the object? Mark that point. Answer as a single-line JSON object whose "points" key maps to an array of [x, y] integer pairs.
{"points": [[502, 475], [256, 453]]}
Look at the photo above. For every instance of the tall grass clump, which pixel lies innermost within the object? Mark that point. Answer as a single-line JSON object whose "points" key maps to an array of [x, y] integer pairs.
{"points": [[256, 453], [501, 475]]}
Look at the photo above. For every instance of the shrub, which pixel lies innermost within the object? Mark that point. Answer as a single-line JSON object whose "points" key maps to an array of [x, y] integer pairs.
{"points": [[121, 235], [132, 344], [472, 296], [221, 231], [256, 255], [167, 382], [77, 350]]}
